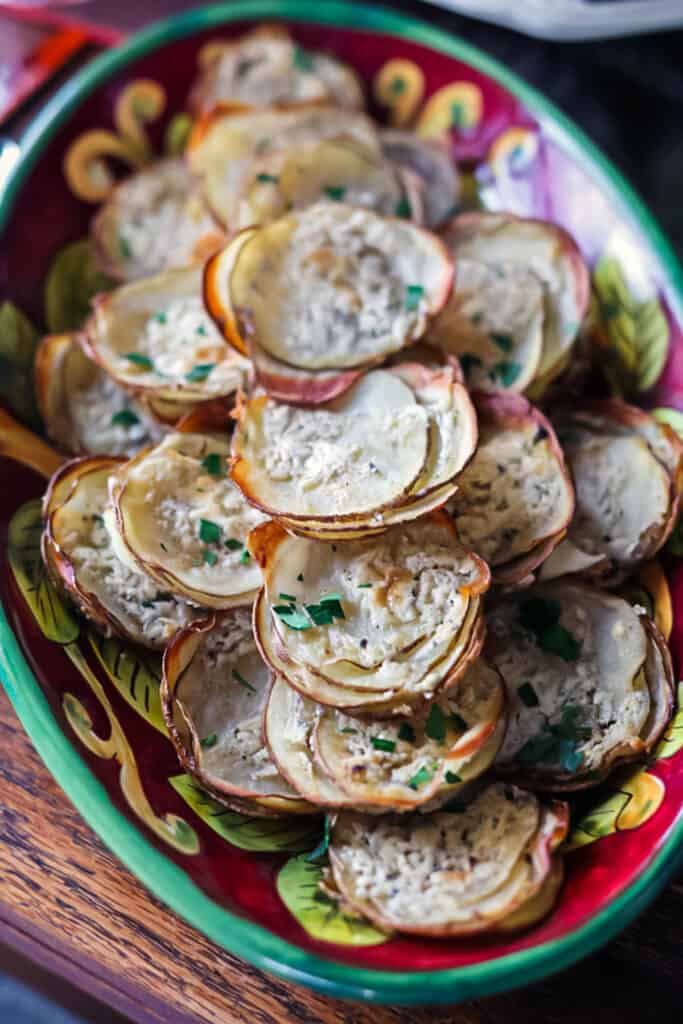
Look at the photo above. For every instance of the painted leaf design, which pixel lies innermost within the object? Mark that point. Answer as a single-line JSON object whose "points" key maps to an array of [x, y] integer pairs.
{"points": [[72, 281], [672, 740], [596, 823], [297, 886], [18, 341], [177, 133], [291, 835], [629, 799], [54, 616], [135, 673], [633, 334]]}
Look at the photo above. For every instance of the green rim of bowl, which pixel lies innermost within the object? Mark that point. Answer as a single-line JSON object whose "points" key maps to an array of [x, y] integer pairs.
{"points": [[158, 872]]}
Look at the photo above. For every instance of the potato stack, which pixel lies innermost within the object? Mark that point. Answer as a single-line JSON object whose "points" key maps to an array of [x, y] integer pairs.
{"points": [[309, 469]]}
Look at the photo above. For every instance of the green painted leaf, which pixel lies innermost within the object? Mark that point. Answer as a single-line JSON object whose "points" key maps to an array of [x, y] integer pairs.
{"points": [[177, 134], [18, 342], [72, 281], [673, 417], [54, 616], [597, 822], [672, 740], [637, 333], [135, 673], [297, 886], [290, 835]]}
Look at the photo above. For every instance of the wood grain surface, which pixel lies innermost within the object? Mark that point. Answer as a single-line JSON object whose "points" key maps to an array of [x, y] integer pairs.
{"points": [[68, 905]]}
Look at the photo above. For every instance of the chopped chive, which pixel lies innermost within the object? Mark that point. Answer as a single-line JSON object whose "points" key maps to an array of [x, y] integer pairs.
{"points": [[199, 372], [406, 732], [435, 727], [144, 362], [160, 318], [326, 598], [124, 418], [527, 695], [364, 586], [162, 546], [213, 464], [244, 557], [210, 557], [420, 778], [302, 59], [291, 617], [238, 677], [287, 597], [414, 293], [209, 532], [350, 732], [335, 192], [477, 318], [381, 744], [402, 208], [267, 179], [468, 362], [209, 741], [300, 577], [503, 341], [506, 373], [98, 519], [124, 247], [232, 544], [457, 721], [452, 777], [201, 331]]}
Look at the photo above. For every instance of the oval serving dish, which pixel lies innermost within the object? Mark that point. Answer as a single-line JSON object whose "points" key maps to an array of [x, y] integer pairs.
{"points": [[91, 705]]}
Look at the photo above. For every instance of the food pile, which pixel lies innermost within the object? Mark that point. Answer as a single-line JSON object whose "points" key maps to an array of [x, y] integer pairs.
{"points": [[318, 462]]}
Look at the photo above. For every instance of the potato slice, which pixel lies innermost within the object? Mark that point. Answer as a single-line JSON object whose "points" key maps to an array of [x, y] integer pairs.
{"points": [[85, 411], [155, 338], [510, 245], [627, 473], [403, 763], [226, 144], [334, 287], [213, 692], [447, 874], [183, 521], [338, 170], [434, 168], [515, 498], [399, 601], [154, 220], [588, 683], [360, 453], [266, 68], [79, 551]]}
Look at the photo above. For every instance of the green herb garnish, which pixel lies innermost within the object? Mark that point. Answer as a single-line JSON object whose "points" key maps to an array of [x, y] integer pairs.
{"points": [[292, 617], [541, 617], [381, 744], [503, 341], [201, 331], [239, 678], [267, 179], [420, 777], [124, 248], [506, 373], [287, 597], [199, 372], [98, 519], [457, 721], [557, 742], [350, 732], [435, 727], [124, 418], [245, 557], [144, 362], [210, 557], [468, 362], [232, 544], [414, 293], [160, 318], [209, 532], [335, 192], [302, 59], [406, 732], [364, 586], [300, 577], [527, 695], [402, 208], [209, 741], [213, 464], [451, 777]]}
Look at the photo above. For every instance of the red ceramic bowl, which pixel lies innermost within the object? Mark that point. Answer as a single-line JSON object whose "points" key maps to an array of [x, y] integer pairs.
{"points": [[91, 706]]}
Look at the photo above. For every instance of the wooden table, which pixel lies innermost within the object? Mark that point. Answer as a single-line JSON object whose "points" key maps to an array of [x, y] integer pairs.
{"points": [[69, 907]]}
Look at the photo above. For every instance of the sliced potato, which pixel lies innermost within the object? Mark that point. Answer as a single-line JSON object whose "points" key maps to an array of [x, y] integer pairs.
{"points": [[370, 624], [627, 470], [515, 498], [84, 410], [180, 518], [226, 144], [433, 166], [526, 252], [587, 681], [338, 170], [331, 287], [266, 68], [79, 551], [154, 220], [361, 452], [446, 873], [213, 691], [155, 338]]}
